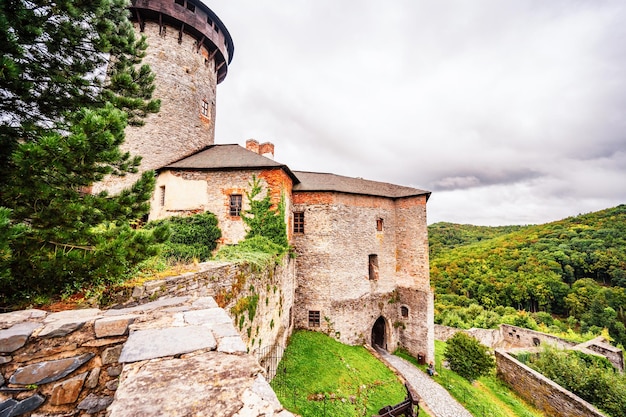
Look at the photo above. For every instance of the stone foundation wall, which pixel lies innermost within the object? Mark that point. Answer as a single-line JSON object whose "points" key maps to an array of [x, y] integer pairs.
{"points": [[68, 363], [547, 396]]}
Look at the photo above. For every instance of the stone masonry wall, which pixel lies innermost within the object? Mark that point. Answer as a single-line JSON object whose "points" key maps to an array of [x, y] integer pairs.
{"points": [[547, 396], [68, 363], [334, 272], [184, 79], [188, 192]]}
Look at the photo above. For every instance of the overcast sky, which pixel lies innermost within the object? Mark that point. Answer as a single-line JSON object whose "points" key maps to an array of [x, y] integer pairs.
{"points": [[510, 112]]}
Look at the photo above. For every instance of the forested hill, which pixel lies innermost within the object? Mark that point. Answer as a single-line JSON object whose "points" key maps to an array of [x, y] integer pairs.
{"points": [[572, 267]]}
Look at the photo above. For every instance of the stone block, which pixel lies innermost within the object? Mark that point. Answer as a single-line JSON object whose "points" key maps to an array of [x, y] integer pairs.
{"points": [[67, 392], [111, 355], [92, 380], [113, 326], [12, 408], [156, 343], [93, 403], [231, 345], [49, 371], [16, 336]]}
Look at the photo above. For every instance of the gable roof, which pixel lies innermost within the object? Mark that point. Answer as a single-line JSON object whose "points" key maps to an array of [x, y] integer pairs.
{"points": [[227, 157], [316, 181]]}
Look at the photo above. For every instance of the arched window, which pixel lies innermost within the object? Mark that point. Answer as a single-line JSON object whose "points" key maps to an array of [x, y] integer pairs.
{"points": [[404, 311]]}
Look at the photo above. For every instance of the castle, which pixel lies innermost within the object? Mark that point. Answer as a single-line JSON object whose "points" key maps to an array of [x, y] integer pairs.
{"points": [[362, 246]]}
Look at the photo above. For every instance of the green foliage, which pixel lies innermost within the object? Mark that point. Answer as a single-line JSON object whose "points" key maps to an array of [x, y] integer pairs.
{"points": [[343, 375], [63, 122], [590, 377], [192, 237], [575, 268], [262, 219], [467, 357], [258, 251]]}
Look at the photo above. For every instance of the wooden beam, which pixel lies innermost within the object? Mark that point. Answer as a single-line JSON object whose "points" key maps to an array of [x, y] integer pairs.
{"points": [[212, 54], [200, 42], [142, 24], [220, 65], [160, 23], [180, 33]]}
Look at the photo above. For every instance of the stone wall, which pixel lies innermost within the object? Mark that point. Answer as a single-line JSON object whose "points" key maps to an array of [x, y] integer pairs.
{"points": [[185, 78], [68, 363], [336, 279], [513, 337], [189, 192], [544, 394]]}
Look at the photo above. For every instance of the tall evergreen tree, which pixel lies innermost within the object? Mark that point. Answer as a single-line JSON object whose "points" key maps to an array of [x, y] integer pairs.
{"points": [[70, 81]]}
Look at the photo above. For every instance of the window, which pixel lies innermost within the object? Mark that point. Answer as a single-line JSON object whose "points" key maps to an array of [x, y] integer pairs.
{"points": [[314, 318], [181, 2], [404, 311], [162, 195], [191, 7], [379, 225], [205, 108], [209, 21], [373, 267], [235, 204], [298, 222]]}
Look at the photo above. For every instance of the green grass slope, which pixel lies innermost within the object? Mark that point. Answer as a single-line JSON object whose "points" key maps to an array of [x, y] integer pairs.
{"points": [[323, 377]]}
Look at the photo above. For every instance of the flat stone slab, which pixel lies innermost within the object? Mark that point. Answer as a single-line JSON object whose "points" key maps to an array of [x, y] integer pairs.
{"points": [[48, 371], [15, 337], [157, 343], [113, 326], [9, 319], [207, 384], [83, 315], [210, 316], [143, 308]]}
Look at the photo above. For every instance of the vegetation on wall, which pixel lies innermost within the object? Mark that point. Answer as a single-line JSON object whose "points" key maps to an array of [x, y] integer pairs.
{"points": [[266, 238], [262, 219], [192, 237], [573, 270], [590, 377], [62, 123]]}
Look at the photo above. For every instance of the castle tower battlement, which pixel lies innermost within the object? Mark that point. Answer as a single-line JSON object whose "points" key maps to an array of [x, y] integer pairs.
{"points": [[189, 50]]}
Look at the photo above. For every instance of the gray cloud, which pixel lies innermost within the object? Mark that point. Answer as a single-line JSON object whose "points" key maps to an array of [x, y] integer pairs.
{"points": [[519, 106]]}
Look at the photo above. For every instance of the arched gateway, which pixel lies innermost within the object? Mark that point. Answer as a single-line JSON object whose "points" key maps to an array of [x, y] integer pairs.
{"points": [[379, 334]]}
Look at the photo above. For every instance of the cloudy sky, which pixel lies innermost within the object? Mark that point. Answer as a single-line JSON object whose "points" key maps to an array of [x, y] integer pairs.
{"points": [[510, 112]]}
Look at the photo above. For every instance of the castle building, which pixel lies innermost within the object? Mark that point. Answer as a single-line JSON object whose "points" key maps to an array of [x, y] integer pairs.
{"points": [[362, 246]]}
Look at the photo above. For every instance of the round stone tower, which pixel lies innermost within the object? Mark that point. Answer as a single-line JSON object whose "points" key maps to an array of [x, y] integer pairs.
{"points": [[189, 50]]}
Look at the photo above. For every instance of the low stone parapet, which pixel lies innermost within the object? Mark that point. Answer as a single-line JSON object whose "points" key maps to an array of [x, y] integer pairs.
{"points": [[177, 356]]}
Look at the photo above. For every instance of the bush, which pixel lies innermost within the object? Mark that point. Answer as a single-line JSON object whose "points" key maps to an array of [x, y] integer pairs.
{"points": [[467, 357], [192, 237], [590, 377]]}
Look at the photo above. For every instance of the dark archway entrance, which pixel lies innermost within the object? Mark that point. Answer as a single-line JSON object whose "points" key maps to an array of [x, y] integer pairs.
{"points": [[379, 334]]}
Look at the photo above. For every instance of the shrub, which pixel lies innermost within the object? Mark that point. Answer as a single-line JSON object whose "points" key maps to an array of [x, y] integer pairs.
{"points": [[467, 357], [192, 237]]}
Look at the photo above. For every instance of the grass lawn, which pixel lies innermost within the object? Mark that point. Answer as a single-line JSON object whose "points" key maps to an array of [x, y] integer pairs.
{"points": [[326, 378], [486, 397]]}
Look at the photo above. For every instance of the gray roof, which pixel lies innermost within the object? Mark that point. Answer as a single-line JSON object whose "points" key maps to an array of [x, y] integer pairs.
{"points": [[235, 157], [315, 181], [227, 157]]}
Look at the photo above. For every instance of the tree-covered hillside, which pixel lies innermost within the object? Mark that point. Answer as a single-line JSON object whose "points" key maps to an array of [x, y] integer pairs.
{"points": [[574, 267]]}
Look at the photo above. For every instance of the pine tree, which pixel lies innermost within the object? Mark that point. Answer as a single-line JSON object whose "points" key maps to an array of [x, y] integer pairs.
{"points": [[262, 218], [70, 82]]}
